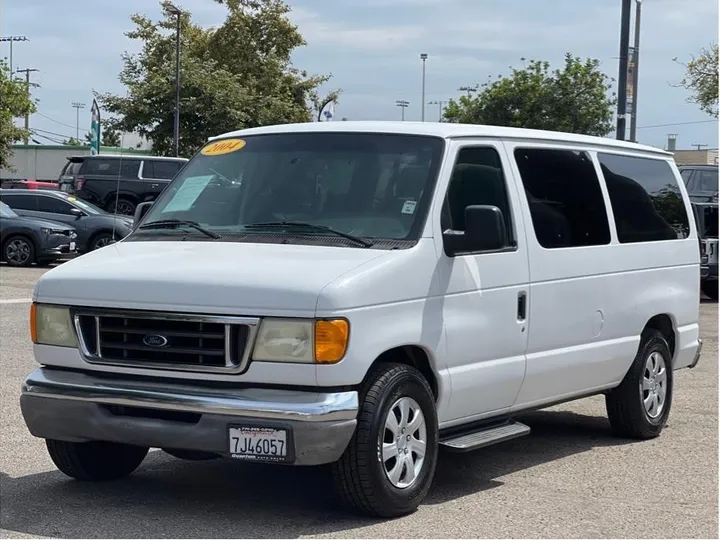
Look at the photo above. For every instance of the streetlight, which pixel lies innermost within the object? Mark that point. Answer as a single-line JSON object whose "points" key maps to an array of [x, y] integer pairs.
{"points": [[440, 105], [77, 105], [636, 54], [12, 39], [468, 89], [403, 105], [176, 126], [423, 57]]}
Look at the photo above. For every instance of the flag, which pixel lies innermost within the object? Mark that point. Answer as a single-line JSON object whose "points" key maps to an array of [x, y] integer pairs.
{"points": [[95, 129], [329, 111]]}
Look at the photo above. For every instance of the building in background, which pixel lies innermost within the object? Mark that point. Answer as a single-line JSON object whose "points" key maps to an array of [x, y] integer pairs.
{"points": [[706, 156], [44, 162]]}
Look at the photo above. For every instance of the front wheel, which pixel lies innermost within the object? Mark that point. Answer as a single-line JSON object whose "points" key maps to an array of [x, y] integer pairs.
{"points": [[640, 406], [389, 464], [19, 251], [96, 460]]}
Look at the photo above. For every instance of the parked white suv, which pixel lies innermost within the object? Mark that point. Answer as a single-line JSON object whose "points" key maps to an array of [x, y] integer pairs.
{"points": [[364, 293]]}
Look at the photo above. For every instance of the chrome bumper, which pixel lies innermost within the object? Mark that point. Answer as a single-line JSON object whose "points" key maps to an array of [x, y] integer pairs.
{"points": [[74, 406]]}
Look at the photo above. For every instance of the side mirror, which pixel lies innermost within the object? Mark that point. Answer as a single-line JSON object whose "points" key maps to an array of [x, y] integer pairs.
{"points": [[77, 213], [140, 211], [484, 231]]}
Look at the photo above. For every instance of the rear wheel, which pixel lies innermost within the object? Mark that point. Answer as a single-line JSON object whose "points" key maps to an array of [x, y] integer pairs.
{"points": [[123, 207], [19, 251], [389, 464], [640, 406], [710, 289], [96, 460]]}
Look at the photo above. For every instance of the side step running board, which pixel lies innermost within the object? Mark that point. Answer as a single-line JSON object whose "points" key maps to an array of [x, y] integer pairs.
{"points": [[487, 436]]}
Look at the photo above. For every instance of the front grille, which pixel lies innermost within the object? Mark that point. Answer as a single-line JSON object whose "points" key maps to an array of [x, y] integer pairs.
{"points": [[166, 340]]}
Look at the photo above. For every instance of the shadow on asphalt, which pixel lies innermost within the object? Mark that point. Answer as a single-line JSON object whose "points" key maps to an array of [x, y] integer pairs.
{"points": [[168, 497]]}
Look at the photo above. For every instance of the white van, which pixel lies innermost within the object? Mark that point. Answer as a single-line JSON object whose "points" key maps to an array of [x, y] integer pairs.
{"points": [[364, 293]]}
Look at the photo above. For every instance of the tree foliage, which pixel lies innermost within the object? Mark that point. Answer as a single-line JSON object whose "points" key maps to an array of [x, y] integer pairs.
{"points": [[15, 101], [574, 99], [109, 136], [235, 76], [701, 78]]}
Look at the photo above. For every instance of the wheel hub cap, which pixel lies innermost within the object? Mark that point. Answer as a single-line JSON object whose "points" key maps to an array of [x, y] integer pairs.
{"points": [[403, 443], [653, 385]]}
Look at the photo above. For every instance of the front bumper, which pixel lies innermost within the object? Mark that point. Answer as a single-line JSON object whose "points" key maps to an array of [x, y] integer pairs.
{"points": [[59, 244], [78, 407]]}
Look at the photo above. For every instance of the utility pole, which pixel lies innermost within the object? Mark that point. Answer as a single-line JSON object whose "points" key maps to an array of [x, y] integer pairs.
{"points": [[468, 89], [440, 105], [27, 72], [176, 125], [12, 39], [77, 105], [423, 57], [623, 70], [698, 146], [403, 105], [633, 118]]}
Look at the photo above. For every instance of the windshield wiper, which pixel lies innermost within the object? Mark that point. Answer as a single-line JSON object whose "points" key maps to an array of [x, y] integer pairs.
{"points": [[309, 226], [174, 223]]}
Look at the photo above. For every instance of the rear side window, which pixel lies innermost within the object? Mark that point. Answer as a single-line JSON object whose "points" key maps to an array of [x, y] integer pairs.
{"points": [[565, 198], [101, 166], [705, 180], [646, 199], [21, 202], [162, 170], [53, 205]]}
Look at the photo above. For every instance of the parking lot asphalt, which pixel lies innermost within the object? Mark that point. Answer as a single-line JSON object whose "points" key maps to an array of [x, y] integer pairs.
{"points": [[570, 478]]}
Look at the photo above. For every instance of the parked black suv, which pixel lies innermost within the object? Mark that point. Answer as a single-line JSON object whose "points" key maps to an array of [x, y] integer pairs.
{"points": [[702, 185], [118, 183]]}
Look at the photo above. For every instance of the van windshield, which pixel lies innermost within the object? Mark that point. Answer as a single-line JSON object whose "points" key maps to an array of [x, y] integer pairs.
{"points": [[368, 185]]}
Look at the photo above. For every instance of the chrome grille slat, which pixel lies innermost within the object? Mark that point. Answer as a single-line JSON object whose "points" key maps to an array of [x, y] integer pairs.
{"points": [[192, 342]]}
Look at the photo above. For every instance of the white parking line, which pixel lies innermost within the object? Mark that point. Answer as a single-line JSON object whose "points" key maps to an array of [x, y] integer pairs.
{"points": [[15, 300]]}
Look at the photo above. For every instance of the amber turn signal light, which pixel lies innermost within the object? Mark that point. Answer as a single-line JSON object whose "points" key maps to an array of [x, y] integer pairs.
{"points": [[331, 340]]}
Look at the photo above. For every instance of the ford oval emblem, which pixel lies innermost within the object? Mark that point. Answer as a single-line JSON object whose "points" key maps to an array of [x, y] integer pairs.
{"points": [[155, 340]]}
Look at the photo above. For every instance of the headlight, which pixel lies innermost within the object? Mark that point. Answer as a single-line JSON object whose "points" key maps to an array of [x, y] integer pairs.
{"points": [[45, 230], [302, 341], [51, 325]]}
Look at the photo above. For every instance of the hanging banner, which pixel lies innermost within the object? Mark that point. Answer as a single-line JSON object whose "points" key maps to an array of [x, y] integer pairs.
{"points": [[95, 129], [328, 112], [631, 80]]}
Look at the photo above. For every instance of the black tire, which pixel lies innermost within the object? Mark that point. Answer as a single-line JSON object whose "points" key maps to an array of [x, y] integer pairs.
{"points": [[101, 239], [627, 414], [710, 289], [359, 476], [123, 207], [190, 455], [95, 461], [14, 258]]}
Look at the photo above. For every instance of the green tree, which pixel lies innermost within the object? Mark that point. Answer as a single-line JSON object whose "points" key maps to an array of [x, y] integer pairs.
{"points": [[701, 78], [72, 141], [109, 136], [235, 76], [574, 99], [15, 101]]}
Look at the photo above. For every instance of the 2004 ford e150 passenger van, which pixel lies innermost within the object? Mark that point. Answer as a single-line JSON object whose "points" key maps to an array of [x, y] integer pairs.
{"points": [[362, 294]]}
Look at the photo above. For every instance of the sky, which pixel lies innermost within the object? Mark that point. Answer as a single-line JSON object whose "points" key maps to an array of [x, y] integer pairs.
{"points": [[372, 50]]}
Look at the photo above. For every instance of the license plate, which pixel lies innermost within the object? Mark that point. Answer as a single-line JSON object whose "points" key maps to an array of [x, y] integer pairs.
{"points": [[258, 443], [72, 246]]}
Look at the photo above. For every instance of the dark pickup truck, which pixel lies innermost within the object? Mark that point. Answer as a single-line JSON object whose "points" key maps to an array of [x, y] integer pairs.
{"points": [[118, 183]]}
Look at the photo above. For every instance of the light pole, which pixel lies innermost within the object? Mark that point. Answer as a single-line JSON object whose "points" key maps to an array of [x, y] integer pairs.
{"points": [[403, 105], [423, 57], [27, 73], [623, 69], [77, 105], [176, 125], [440, 105], [468, 89], [12, 39], [633, 118]]}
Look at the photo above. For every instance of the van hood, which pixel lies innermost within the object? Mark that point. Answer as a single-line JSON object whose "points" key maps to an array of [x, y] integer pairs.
{"points": [[202, 277]]}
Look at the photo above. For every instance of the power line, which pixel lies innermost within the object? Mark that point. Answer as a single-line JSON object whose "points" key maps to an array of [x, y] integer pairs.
{"points": [[678, 124], [53, 133], [53, 120]]}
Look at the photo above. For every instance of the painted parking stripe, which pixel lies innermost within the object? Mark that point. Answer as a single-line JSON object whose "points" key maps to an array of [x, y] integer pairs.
{"points": [[15, 300]]}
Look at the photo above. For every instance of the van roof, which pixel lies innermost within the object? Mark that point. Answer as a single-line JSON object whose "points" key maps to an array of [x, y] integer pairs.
{"points": [[444, 130]]}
